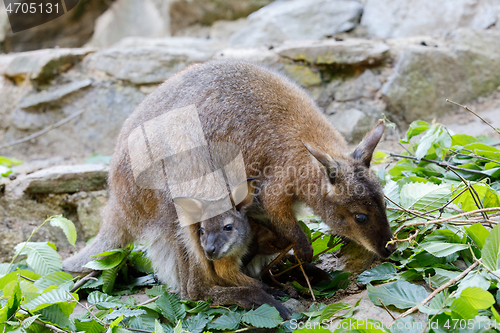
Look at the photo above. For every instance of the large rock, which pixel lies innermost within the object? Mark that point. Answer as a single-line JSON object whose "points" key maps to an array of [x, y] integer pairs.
{"points": [[145, 65], [186, 13], [61, 179], [297, 20], [40, 66], [351, 52], [148, 18], [424, 77], [402, 18]]}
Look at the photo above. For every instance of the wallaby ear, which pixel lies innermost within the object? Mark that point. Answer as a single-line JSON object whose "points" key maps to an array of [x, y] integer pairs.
{"points": [[243, 194], [332, 166], [365, 149], [192, 207], [322, 157]]}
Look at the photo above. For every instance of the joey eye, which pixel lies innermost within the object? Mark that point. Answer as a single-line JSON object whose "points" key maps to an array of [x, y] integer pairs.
{"points": [[202, 231], [228, 227], [360, 218]]}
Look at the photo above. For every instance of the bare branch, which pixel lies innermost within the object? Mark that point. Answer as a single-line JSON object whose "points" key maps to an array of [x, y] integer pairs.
{"points": [[438, 290], [45, 130], [467, 108]]}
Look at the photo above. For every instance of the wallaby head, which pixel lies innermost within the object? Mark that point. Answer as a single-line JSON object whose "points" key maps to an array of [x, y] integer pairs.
{"points": [[352, 200], [227, 234]]}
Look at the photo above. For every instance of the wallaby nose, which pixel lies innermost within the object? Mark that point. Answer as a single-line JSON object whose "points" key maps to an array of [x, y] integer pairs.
{"points": [[392, 247], [210, 250]]}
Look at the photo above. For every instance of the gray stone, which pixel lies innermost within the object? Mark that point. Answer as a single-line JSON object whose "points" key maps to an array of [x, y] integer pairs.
{"points": [[89, 205], [131, 18], [61, 179], [351, 52], [41, 65], [205, 12], [298, 20], [353, 119], [401, 18], [424, 77], [224, 29], [364, 85], [256, 54], [4, 24], [145, 65], [47, 96]]}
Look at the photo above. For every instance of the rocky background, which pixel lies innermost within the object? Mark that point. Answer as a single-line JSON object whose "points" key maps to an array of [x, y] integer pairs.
{"points": [[86, 71]]}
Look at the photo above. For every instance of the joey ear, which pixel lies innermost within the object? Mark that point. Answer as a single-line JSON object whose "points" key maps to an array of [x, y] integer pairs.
{"points": [[365, 149], [322, 157], [243, 194], [192, 207]]}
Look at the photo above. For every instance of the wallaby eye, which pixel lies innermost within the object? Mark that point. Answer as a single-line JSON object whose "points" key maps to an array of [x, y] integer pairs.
{"points": [[228, 227], [202, 231], [360, 218]]}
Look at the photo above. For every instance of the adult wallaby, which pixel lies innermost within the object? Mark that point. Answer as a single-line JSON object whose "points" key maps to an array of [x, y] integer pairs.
{"points": [[287, 146]]}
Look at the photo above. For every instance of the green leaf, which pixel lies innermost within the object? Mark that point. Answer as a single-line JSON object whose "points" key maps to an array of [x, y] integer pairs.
{"points": [[42, 258], [14, 301], [442, 276], [102, 300], [381, 272], [424, 196], [67, 227], [89, 326], [228, 321], [114, 324], [171, 307], [54, 314], [158, 327], [462, 139], [109, 278], [477, 298], [401, 294], [199, 306], [488, 197], [478, 233], [264, 316], [441, 249], [112, 259], [178, 327], [125, 312], [331, 309], [477, 278], [415, 129], [196, 324], [53, 279], [46, 299], [491, 249], [463, 308]]}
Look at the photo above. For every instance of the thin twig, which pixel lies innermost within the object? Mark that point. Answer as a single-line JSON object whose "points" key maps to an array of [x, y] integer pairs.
{"points": [[442, 163], [83, 280], [286, 270], [307, 279], [472, 154], [45, 130], [151, 300], [138, 330], [454, 217], [26, 278], [386, 309], [438, 290], [409, 238], [88, 310], [52, 327], [473, 193], [467, 108], [277, 259]]}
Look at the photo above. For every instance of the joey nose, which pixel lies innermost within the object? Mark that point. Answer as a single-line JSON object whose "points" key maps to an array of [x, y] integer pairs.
{"points": [[210, 250]]}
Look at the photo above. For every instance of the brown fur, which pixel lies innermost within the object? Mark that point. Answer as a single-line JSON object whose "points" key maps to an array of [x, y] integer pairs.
{"points": [[276, 125]]}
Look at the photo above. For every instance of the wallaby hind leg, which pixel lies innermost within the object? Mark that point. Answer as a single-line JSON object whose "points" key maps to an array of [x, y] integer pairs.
{"points": [[112, 235]]}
